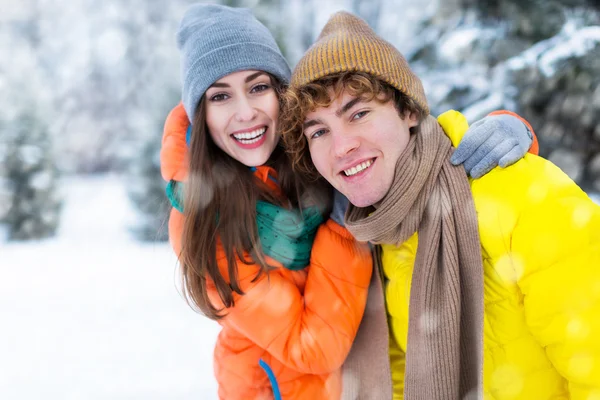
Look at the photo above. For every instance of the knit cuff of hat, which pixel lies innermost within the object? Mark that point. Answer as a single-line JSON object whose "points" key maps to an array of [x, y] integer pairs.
{"points": [[232, 58]]}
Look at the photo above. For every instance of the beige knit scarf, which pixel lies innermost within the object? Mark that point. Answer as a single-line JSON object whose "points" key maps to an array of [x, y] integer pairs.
{"points": [[444, 359]]}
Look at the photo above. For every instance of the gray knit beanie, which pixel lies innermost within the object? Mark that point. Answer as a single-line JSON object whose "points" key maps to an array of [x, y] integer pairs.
{"points": [[216, 41]]}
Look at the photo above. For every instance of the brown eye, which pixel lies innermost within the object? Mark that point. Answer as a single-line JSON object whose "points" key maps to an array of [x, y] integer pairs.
{"points": [[219, 97], [261, 87]]}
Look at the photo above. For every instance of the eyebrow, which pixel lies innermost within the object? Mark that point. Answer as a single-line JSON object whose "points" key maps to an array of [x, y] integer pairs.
{"points": [[311, 122], [249, 78], [347, 106], [255, 75], [219, 85], [338, 113]]}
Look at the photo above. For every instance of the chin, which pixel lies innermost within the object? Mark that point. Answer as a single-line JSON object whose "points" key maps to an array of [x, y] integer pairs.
{"points": [[361, 202], [258, 158], [254, 160], [365, 199]]}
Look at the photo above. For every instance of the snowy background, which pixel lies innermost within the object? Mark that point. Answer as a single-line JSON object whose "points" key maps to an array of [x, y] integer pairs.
{"points": [[90, 297], [92, 314]]}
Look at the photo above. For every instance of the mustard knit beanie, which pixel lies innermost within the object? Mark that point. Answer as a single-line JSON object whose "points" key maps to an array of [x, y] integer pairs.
{"points": [[348, 44]]}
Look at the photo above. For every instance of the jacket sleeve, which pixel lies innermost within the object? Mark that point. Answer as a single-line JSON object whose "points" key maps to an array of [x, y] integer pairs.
{"points": [[535, 147], [310, 332], [555, 250], [175, 230], [455, 126], [173, 151]]}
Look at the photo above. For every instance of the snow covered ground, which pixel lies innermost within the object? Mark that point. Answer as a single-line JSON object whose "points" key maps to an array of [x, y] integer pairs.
{"points": [[93, 314]]}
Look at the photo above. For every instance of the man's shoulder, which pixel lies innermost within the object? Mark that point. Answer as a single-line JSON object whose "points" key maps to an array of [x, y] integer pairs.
{"points": [[533, 190], [528, 181], [454, 124]]}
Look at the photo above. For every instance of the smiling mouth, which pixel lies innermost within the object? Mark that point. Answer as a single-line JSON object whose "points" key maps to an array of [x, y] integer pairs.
{"points": [[250, 137], [358, 168]]}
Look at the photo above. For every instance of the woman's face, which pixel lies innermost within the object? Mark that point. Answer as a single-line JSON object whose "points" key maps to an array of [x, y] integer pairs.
{"points": [[241, 114]]}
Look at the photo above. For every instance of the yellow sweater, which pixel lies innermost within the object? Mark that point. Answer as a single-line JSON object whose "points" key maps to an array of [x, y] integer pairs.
{"points": [[540, 241]]}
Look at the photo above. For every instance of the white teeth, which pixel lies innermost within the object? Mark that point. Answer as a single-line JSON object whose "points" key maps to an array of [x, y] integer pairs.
{"points": [[245, 141], [249, 137], [356, 169]]}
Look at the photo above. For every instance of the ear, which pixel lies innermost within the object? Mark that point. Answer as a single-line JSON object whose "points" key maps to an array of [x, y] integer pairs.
{"points": [[411, 118]]}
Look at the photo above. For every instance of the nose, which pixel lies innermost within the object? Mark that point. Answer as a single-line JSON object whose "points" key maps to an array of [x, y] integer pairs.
{"points": [[344, 143], [245, 110]]}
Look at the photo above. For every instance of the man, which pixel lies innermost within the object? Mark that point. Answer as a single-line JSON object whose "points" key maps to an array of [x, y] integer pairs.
{"points": [[492, 286]]}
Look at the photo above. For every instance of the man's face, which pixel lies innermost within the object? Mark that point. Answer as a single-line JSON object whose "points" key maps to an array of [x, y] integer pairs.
{"points": [[355, 145]]}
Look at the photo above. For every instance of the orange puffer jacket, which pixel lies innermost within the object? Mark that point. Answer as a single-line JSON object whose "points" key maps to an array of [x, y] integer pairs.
{"points": [[297, 326]]}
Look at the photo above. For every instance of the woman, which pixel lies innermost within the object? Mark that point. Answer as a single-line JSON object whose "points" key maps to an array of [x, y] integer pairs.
{"points": [[256, 254], [289, 314]]}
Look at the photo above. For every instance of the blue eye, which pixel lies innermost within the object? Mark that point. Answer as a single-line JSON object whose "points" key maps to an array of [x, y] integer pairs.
{"points": [[318, 133], [359, 114]]}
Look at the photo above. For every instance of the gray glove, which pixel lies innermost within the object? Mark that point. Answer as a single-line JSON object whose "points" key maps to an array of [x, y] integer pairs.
{"points": [[494, 140], [340, 205]]}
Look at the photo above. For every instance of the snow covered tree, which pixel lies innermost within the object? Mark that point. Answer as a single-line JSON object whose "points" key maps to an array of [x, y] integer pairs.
{"points": [[29, 177], [560, 95], [537, 58], [30, 204], [146, 189]]}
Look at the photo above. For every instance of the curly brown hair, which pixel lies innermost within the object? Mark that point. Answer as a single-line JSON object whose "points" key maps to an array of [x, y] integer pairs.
{"points": [[299, 101]]}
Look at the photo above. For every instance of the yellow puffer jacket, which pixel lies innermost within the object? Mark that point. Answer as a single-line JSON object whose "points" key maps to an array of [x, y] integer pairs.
{"points": [[540, 240]]}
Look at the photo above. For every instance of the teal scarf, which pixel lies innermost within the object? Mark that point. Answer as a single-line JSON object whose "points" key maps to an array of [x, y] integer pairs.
{"points": [[285, 235]]}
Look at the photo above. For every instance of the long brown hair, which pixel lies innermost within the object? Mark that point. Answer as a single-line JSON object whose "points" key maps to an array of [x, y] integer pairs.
{"points": [[220, 206]]}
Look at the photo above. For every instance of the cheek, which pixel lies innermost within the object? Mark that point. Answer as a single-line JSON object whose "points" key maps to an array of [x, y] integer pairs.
{"points": [[215, 138], [393, 138], [319, 159], [214, 123], [272, 107]]}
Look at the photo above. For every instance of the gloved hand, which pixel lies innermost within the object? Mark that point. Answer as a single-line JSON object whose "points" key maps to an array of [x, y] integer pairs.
{"points": [[494, 140], [340, 205]]}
